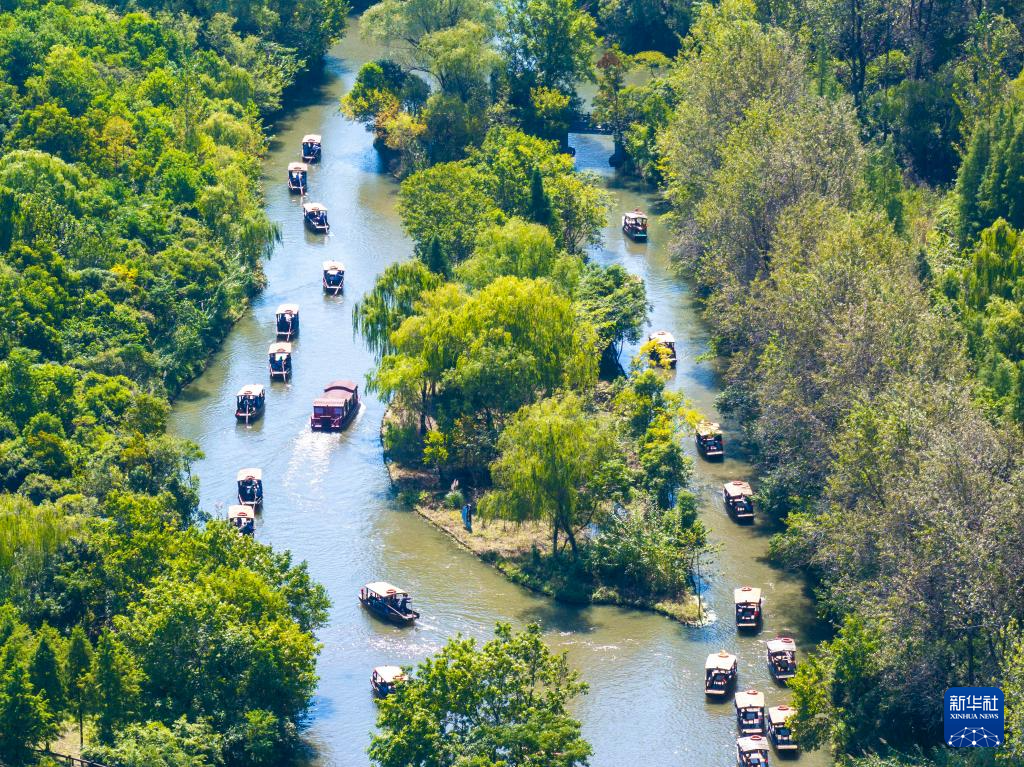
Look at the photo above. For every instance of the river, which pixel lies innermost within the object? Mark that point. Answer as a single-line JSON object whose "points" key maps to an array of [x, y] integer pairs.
{"points": [[328, 498]]}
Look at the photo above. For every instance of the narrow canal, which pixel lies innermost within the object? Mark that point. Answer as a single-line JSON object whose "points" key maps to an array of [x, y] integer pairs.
{"points": [[329, 502]]}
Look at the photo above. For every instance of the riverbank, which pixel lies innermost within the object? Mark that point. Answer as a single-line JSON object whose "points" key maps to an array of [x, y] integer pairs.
{"points": [[521, 552]]}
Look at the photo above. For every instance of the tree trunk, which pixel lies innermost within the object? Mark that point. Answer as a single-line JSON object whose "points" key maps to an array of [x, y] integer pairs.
{"points": [[572, 542], [554, 540]]}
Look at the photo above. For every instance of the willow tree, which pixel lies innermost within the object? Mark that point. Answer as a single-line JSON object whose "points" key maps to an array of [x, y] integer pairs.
{"points": [[557, 463], [393, 298]]}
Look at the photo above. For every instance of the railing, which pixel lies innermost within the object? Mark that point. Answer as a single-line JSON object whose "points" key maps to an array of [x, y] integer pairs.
{"points": [[65, 759]]}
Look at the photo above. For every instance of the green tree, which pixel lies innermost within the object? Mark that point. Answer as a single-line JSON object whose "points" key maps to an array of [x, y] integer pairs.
{"points": [[540, 202], [393, 299], [79, 680], [154, 744], [448, 202], [434, 258], [557, 463], [115, 683], [46, 673], [24, 719], [519, 249], [502, 702]]}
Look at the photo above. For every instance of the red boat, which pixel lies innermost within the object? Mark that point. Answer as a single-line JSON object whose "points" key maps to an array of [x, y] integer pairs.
{"points": [[336, 407]]}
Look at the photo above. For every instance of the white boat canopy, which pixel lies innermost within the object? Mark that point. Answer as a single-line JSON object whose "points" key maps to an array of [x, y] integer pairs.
{"points": [[251, 390], [256, 474], [750, 699], [311, 138], [781, 644], [241, 512], [297, 166], [737, 489], [389, 674], [281, 347], [384, 589], [746, 594], [720, 660]]}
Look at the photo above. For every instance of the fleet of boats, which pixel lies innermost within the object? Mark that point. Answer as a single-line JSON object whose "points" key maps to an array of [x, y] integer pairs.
{"points": [[757, 725]]}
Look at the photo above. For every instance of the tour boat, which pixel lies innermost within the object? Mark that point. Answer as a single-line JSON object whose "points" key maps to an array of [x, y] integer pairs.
{"points": [[738, 502], [280, 355], [243, 519], [782, 658], [708, 437], [297, 177], [664, 350], [388, 602], [250, 487], [778, 728], [752, 751], [748, 607], [334, 277], [384, 679], [287, 321], [311, 147], [250, 402], [315, 216], [719, 673], [749, 712], [634, 225], [333, 410]]}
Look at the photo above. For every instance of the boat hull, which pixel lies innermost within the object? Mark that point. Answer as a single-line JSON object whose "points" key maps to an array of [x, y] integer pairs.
{"points": [[332, 423], [248, 416], [635, 236], [318, 228], [390, 616]]}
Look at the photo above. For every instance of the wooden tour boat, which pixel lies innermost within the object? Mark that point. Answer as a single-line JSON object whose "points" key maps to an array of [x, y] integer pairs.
{"points": [[315, 216], [250, 487], [664, 350], [779, 732], [738, 500], [752, 751], [298, 174], [287, 321], [243, 519], [333, 410], [748, 607], [782, 658], [388, 602], [634, 225], [280, 354], [719, 673], [250, 402], [334, 277], [384, 679], [750, 712], [312, 146], [708, 437]]}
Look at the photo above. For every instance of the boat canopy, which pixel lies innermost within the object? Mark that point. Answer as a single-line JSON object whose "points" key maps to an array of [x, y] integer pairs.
{"points": [[244, 474], [720, 660], [241, 512], [336, 393], [389, 674], [778, 715], [636, 215], [281, 347], [251, 390], [287, 309], [708, 429], [737, 489], [750, 699], [752, 743], [384, 589], [297, 166], [311, 138], [746, 594], [781, 644], [334, 266], [313, 207], [662, 337]]}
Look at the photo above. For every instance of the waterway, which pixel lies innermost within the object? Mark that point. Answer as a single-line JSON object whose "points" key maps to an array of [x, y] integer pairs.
{"points": [[328, 498]]}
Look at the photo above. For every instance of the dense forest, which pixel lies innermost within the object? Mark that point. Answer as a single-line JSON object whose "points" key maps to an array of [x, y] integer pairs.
{"points": [[843, 185], [131, 237]]}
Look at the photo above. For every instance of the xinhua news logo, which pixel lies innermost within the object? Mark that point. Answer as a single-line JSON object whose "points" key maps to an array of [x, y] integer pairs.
{"points": [[973, 717]]}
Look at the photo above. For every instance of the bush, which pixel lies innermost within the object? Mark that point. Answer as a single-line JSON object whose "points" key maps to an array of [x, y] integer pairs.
{"points": [[455, 499]]}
